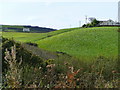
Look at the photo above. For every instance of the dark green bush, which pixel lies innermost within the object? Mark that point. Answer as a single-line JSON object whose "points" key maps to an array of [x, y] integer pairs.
{"points": [[32, 44], [22, 53]]}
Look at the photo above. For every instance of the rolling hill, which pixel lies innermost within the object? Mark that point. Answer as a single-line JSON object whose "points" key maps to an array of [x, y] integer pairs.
{"points": [[91, 54], [83, 43], [86, 43]]}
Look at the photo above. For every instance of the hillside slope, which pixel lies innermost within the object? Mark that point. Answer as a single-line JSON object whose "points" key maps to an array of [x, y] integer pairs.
{"points": [[86, 43], [83, 43], [34, 37]]}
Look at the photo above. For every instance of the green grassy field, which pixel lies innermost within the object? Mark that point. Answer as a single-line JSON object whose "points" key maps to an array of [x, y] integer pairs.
{"points": [[84, 43], [33, 37], [96, 65]]}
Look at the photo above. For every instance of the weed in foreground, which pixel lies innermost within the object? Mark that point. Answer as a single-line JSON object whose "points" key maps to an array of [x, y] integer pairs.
{"points": [[47, 77]]}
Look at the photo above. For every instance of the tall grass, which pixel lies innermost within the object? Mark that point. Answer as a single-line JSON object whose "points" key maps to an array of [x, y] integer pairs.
{"points": [[53, 76]]}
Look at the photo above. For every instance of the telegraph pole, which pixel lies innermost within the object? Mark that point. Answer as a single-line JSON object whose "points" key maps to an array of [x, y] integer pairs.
{"points": [[86, 19]]}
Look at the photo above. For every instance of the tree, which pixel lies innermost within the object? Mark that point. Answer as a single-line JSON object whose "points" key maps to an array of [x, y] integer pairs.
{"points": [[95, 22], [84, 25]]}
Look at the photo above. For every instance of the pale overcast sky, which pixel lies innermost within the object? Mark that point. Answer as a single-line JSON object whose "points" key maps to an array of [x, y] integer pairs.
{"points": [[55, 14]]}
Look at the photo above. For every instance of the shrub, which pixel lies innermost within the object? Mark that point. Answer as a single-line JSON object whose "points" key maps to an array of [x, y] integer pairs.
{"points": [[84, 25], [32, 44], [53, 73], [27, 56]]}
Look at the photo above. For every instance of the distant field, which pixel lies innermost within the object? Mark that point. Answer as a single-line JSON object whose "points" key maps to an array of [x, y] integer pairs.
{"points": [[12, 26], [33, 37], [86, 43]]}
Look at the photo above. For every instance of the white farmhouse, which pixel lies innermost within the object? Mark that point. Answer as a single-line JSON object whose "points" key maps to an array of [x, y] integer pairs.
{"points": [[26, 29], [108, 22]]}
